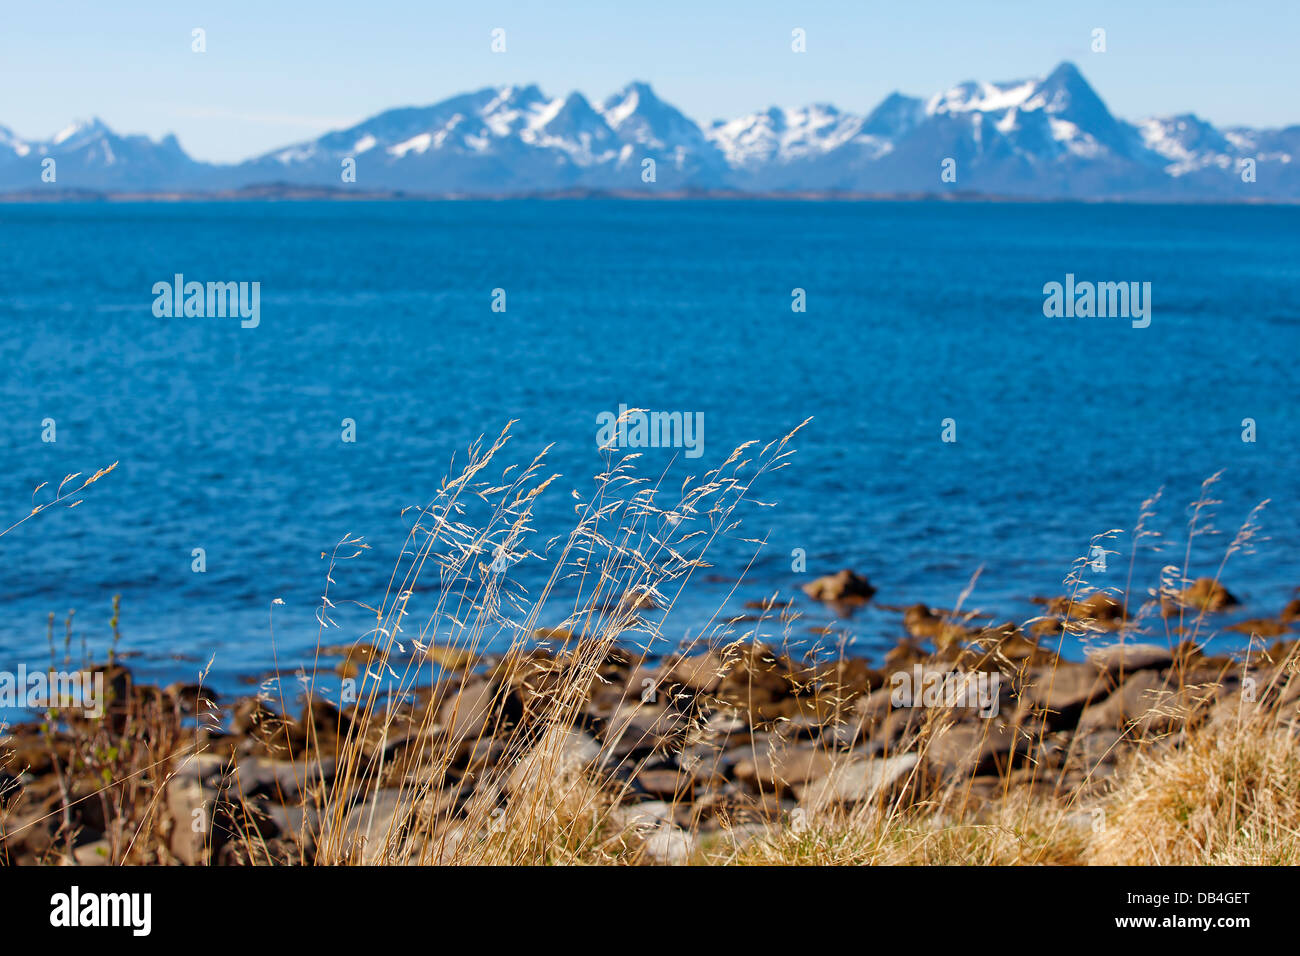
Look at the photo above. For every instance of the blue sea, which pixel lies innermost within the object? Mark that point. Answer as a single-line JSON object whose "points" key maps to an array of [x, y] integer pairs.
{"points": [[229, 439]]}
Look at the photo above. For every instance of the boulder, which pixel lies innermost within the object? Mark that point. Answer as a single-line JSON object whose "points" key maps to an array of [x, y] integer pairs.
{"points": [[779, 766], [922, 623], [97, 853], [190, 807], [284, 781], [1127, 658], [1146, 702], [1101, 609], [670, 784], [467, 709], [1061, 691], [964, 749], [668, 845], [846, 586], [641, 728], [559, 756], [701, 673], [855, 780], [1205, 594], [1261, 627], [648, 814]]}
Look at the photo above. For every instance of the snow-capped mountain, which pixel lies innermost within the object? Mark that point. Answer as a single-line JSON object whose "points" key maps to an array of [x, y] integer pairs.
{"points": [[1050, 137], [89, 155]]}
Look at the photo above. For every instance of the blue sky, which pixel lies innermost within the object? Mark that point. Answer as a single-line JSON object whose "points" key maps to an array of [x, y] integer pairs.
{"points": [[272, 75]]}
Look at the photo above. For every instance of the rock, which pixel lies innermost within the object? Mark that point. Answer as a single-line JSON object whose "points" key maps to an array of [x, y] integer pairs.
{"points": [[1095, 611], [966, 749], [299, 823], [1046, 627], [648, 814], [637, 599], [1292, 610], [868, 713], [1127, 658], [1061, 691], [669, 845], [282, 780], [668, 784], [1242, 701], [204, 767], [899, 730], [1091, 748], [557, 635], [1261, 627], [375, 827], [652, 825], [319, 729], [467, 709], [253, 718], [641, 728], [855, 780], [704, 766], [356, 657], [846, 586], [902, 656], [1206, 594], [450, 659], [93, 854], [724, 723], [189, 697], [190, 807], [1004, 641], [742, 835], [921, 622], [760, 686], [1100, 608], [846, 678], [779, 765], [554, 760], [1145, 701], [702, 673]]}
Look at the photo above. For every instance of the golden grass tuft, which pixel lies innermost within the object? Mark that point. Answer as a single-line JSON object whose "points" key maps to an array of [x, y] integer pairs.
{"points": [[1229, 794], [452, 755]]}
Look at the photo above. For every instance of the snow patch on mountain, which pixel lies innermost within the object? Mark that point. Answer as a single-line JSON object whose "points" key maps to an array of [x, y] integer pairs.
{"points": [[1052, 137]]}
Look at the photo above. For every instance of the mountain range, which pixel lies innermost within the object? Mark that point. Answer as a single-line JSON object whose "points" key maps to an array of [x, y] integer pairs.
{"points": [[1045, 138]]}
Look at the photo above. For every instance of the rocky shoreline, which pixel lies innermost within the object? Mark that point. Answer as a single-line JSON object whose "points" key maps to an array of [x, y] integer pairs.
{"points": [[687, 753]]}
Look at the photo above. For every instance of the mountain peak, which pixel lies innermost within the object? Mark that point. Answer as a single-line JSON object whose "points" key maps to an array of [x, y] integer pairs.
{"points": [[1066, 86], [80, 128], [640, 88], [896, 115], [1065, 71], [636, 111], [573, 116], [1065, 95], [1051, 137]]}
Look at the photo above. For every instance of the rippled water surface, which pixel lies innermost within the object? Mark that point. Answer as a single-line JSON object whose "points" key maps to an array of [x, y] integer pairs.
{"points": [[229, 439]]}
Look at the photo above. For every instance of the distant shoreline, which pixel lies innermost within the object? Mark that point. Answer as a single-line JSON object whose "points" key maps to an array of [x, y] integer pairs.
{"points": [[284, 192]]}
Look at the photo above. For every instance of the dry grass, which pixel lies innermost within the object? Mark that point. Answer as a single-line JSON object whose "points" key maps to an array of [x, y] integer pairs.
{"points": [[1228, 795], [412, 782]]}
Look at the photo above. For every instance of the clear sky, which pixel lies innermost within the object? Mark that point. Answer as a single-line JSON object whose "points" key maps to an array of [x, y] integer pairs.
{"points": [[275, 73]]}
